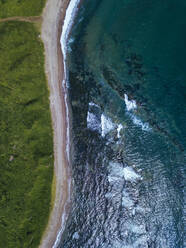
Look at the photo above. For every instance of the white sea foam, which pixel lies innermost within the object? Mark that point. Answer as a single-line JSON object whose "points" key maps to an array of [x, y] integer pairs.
{"points": [[138, 122], [75, 235], [141, 210], [119, 128], [115, 172], [71, 40], [68, 21], [93, 104], [80, 19], [140, 242], [130, 104], [139, 229], [59, 234], [93, 119], [127, 202], [128, 173], [127, 197], [92, 122], [106, 125], [115, 169]]}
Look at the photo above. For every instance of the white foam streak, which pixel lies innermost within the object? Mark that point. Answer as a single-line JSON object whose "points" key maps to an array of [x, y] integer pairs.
{"points": [[138, 122], [119, 128], [59, 234], [139, 229], [127, 202], [93, 104], [101, 122], [93, 122], [68, 21], [117, 171], [130, 104], [106, 125], [130, 174]]}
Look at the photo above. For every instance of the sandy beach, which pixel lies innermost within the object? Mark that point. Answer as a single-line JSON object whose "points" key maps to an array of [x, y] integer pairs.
{"points": [[53, 17]]}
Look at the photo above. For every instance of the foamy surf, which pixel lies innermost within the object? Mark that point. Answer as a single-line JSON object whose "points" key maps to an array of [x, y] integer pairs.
{"points": [[93, 117], [119, 128], [106, 125], [130, 107], [138, 122], [93, 122], [117, 171], [67, 25], [100, 122], [130, 104], [68, 22]]}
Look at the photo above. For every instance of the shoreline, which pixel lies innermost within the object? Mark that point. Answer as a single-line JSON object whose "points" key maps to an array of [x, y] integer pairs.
{"points": [[53, 18]]}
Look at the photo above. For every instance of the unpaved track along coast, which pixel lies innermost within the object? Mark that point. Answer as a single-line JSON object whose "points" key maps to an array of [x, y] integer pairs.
{"points": [[53, 16]]}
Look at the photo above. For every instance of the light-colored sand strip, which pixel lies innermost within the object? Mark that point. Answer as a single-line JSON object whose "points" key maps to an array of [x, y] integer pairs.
{"points": [[53, 17]]}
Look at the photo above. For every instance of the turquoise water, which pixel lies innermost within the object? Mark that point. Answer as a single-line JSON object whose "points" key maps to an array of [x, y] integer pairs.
{"points": [[127, 87]]}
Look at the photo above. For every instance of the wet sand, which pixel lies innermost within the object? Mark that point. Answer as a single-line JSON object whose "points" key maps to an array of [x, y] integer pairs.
{"points": [[53, 17]]}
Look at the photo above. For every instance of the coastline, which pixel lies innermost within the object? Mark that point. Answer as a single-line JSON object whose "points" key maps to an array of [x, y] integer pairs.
{"points": [[53, 18]]}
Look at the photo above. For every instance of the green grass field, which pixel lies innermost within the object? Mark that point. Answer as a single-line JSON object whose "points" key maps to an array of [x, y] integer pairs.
{"points": [[26, 142], [10, 8]]}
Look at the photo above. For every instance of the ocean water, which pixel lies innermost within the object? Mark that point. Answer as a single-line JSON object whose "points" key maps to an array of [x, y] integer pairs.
{"points": [[127, 91]]}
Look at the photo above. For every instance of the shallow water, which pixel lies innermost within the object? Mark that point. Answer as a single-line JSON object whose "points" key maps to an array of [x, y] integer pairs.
{"points": [[127, 85]]}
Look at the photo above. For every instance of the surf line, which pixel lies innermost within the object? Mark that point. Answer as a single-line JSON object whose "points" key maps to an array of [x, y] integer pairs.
{"points": [[70, 14]]}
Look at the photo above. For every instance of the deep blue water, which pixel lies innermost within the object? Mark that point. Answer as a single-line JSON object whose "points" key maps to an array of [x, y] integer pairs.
{"points": [[127, 89]]}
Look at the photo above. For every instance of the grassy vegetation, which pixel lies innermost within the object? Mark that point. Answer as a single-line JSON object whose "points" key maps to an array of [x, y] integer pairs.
{"points": [[10, 8], [26, 146]]}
